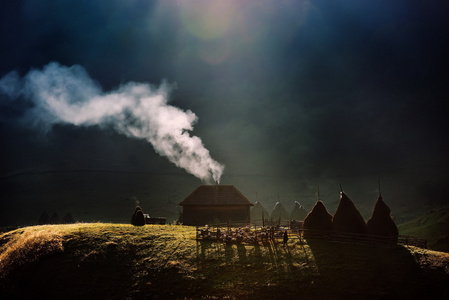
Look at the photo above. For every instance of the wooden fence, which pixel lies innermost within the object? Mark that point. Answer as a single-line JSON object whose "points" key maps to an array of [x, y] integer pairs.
{"points": [[256, 234], [409, 240], [247, 234]]}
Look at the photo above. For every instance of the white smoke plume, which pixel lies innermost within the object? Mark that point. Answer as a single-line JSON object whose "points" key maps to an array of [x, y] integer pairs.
{"points": [[63, 94]]}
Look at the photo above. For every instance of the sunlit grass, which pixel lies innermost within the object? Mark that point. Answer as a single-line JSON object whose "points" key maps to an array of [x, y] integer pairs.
{"points": [[122, 261], [28, 247], [433, 227]]}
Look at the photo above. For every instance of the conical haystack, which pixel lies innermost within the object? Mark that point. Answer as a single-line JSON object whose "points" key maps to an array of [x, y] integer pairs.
{"points": [[44, 219], [298, 213], [381, 223], [259, 215], [138, 219], [279, 214], [347, 218], [54, 219], [68, 219], [317, 219]]}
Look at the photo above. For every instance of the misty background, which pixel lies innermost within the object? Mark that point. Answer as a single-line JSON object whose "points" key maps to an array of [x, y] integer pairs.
{"points": [[286, 95]]}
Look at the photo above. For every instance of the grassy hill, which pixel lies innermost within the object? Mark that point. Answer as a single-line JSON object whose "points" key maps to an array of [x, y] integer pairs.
{"points": [[433, 226], [114, 261]]}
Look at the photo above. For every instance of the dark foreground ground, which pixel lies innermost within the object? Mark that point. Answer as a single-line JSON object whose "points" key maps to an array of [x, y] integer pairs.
{"points": [[113, 261]]}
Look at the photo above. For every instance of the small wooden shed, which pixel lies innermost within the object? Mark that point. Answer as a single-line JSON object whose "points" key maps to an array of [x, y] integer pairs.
{"points": [[212, 204]]}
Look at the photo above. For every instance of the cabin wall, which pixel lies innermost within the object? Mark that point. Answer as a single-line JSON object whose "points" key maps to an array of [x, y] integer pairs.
{"points": [[202, 215]]}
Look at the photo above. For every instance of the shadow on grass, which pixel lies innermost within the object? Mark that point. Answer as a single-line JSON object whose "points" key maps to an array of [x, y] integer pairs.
{"points": [[349, 271], [255, 254], [250, 271], [156, 267], [68, 275], [317, 269]]}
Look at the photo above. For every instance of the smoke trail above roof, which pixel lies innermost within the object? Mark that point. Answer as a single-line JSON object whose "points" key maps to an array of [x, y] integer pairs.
{"points": [[62, 94]]}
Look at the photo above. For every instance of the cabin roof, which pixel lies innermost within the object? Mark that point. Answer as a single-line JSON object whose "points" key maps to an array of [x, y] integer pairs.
{"points": [[216, 195]]}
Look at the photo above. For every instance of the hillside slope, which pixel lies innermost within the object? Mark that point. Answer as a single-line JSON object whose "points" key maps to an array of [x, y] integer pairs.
{"points": [[433, 226], [113, 261]]}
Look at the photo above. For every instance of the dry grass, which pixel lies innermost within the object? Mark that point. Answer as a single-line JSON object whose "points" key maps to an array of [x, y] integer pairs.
{"points": [[120, 261], [28, 247]]}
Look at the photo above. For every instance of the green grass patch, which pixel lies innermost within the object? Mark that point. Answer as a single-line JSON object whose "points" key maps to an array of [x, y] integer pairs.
{"points": [[433, 227], [115, 261]]}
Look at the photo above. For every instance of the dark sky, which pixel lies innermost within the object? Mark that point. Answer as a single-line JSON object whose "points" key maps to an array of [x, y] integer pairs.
{"points": [[289, 95]]}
